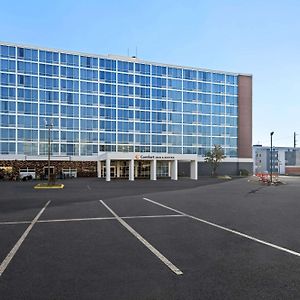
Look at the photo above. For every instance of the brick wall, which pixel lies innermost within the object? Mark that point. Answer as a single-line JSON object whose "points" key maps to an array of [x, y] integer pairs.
{"points": [[292, 170], [84, 168]]}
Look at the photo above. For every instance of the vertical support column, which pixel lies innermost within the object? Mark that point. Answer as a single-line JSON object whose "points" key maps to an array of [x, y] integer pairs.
{"points": [[131, 170], [153, 169], [136, 170], [118, 169], [169, 168], [99, 168], [194, 169], [174, 170], [107, 168]]}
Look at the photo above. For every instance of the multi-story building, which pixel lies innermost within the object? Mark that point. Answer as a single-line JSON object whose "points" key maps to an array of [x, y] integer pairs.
{"points": [[135, 117], [285, 160]]}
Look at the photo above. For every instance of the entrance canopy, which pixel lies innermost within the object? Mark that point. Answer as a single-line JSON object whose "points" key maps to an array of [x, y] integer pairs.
{"points": [[172, 160]]}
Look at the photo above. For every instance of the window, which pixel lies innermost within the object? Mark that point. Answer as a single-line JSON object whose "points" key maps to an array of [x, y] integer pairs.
{"points": [[7, 51], [89, 62], [49, 57]]}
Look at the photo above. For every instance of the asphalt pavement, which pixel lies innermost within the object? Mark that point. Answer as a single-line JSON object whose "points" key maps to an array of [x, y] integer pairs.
{"points": [[205, 239]]}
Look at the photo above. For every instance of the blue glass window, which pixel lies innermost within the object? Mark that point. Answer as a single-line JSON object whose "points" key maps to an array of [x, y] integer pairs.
{"points": [[142, 92], [7, 51], [142, 80], [175, 84], [48, 83], [69, 59], [218, 99], [159, 82], [49, 70], [159, 105], [124, 66], [204, 87], [89, 87], [159, 71], [174, 72], [175, 95], [142, 103], [89, 62], [124, 102], [205, 98], [217, 77], [70, 98], [189, 96], [108, 76], [28, 94], [27, 67], [231, 100], [142, 115], [7, 106], [125, 90], [142, 68], [189, 74], [108, 101], [69, 85], [27, 108], [204, 109], [8, 79], [27, 81], [125, 78], [69, 72], [218, 88], [89, 99], [7, 65], [189, 85], [107, 64], [231, 79], [204, 76], [49, 57], [159, 93], [109, 89], [27, 54], [218, 109]]}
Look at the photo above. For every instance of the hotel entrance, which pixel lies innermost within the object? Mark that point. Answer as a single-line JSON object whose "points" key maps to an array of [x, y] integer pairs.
{"points": [[120, 169], [150, 166]]}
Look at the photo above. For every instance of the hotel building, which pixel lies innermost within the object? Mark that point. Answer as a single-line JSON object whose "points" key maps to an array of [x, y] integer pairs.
{"points": [[136, 118]]}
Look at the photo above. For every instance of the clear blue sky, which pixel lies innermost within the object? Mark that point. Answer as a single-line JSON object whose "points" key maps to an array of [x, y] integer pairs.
{"points": [[257, 37]]}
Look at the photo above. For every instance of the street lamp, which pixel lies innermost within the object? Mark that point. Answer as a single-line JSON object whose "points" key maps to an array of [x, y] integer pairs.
{"points": [[49, 125], [271, 134]]}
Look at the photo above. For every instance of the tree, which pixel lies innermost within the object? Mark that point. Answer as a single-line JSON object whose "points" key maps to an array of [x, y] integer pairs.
{"points": [[214, 157]]}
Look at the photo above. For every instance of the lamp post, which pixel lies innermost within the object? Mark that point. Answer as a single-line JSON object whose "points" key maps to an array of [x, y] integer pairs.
{"points": [[49, 125], [271, 134]]}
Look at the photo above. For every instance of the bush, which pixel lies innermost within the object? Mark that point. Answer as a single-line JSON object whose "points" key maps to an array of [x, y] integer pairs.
{"points": [[244, 172]]}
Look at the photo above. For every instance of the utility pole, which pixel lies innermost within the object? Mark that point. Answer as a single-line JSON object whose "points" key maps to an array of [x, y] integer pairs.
{"points": [[49, 125], [295, 144], [271, 134]]}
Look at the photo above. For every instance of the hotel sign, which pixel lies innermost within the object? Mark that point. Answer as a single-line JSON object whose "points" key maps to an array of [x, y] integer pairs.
{"points": [[151, 157]]}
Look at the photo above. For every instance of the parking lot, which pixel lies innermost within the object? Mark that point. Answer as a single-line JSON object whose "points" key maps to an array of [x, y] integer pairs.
{"points": [[205, 239]]}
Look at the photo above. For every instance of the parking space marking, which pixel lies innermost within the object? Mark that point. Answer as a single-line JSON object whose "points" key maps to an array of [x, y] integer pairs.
{"points": [[89, 219], [16, 247], [171, 266], [14, 222], [249, 237]]}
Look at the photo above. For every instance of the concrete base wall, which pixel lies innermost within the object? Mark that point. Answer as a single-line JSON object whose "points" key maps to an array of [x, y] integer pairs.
{"points": [[225, 168], [84, 168]]}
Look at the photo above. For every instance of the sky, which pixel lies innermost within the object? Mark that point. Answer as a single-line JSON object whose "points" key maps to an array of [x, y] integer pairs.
{"points": [[257, 37]]}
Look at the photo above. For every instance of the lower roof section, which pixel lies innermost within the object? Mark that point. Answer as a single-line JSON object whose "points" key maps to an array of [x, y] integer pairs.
{"points": [[121, 156]]}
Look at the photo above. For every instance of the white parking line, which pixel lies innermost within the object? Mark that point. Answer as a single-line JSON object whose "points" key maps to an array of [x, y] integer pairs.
{"points": [[145, 242], [89, 219], [16, 247], [249, 237], [14, 222]]}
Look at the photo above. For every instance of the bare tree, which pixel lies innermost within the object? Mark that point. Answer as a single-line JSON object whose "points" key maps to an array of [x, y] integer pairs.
{"points": [[214, 157]]}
